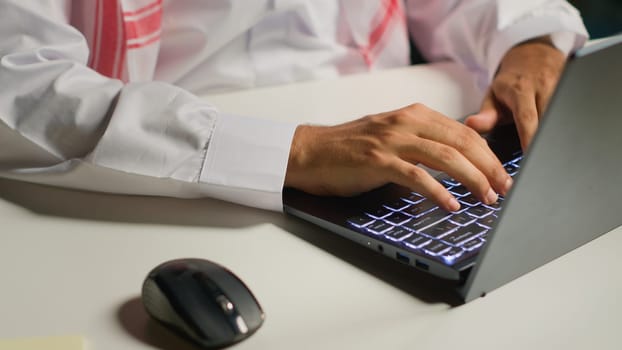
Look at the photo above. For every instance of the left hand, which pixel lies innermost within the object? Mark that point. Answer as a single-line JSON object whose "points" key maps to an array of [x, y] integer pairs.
{"points": [[521, 89]]}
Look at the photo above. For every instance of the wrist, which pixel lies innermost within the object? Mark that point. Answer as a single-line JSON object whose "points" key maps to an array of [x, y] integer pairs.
{"points": [[297, 157], [544, 40]]}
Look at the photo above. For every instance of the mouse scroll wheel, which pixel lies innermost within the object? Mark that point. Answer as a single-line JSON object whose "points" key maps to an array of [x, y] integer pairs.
{"points": [[225, 304]]}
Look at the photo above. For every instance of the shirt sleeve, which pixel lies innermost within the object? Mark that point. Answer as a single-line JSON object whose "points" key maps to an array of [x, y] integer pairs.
{"points": [[478, 33], [63, 124]]}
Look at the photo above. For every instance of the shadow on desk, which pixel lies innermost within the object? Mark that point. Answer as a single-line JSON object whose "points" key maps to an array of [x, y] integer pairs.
{"points": [[135, 320], [420, 285], [83, 205]]}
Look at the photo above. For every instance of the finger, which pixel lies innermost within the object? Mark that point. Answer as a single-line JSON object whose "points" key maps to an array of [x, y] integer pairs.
{"points": [[487, 117], [449, 137], [525, 114], [417, 179], [449, 160], [482, 122], [542, 101]]}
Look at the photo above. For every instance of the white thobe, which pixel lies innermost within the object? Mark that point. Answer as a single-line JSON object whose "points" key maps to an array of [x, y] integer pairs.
{"points": [[102, 94]]}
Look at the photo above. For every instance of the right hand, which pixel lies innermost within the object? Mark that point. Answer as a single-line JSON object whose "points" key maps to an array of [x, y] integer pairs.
{"points": [[369, 152]]}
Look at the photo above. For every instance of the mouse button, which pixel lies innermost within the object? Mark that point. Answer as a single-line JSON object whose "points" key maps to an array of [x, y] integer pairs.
{"points": [[240, 295], [200, 313], [208, 285], [159, 307], [228, 308], [171, 268]]}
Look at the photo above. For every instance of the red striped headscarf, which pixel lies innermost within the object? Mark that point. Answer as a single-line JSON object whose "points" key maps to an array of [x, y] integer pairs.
{"points": [[124, 33]]}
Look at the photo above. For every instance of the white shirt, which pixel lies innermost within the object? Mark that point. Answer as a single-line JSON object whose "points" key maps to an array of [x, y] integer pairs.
{"points": [[84, 105]]}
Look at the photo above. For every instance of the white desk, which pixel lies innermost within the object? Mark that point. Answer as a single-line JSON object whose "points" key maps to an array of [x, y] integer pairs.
{"points": [[72, 262]]}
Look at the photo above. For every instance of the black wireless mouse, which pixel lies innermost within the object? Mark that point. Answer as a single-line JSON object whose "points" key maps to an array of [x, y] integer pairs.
{"points": [[203, 301]]}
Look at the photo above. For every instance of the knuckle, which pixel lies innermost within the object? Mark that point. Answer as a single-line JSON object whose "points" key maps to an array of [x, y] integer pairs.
{"points": [[521, 83], [387, 120], [418, 106], [414, 174], [465, 138], [417, 110], [518, 86], [387, 135], [374, 155], [447, 155], [373, 119], [501, 84], [398, 118]]}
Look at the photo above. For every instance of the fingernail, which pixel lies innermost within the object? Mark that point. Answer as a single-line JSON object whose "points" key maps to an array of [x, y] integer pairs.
{"points": [[454, 205], [508, 185], [491, 197]]}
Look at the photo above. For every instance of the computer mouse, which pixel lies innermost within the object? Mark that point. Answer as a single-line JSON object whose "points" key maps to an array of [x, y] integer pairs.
{"points": [[203, 301]]}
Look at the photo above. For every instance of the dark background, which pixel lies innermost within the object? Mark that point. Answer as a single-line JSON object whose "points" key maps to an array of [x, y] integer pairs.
{"points": [[601, 17]]}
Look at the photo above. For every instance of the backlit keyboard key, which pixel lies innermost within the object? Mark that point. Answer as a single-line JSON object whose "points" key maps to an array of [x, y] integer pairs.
{"points": [[452, 254], [397, 205], [360, 221], [378, 227], [436, 248], [469, 200], [379, 213], [397, 218], [416, 241], [496, 205], [511, 169], [488, 221], [418, 210], [450, 181], [428, 219], [397, 233], [459, 191], [414, 198], [462, 218], [439, 229], [479, 211], [473, 244], [464, 234]]}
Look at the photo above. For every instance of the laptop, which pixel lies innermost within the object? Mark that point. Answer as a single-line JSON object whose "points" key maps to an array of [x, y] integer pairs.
{"points": [[566, 192]]}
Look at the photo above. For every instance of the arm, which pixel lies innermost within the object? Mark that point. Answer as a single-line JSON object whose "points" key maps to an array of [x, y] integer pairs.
{"points": [[75, 128], [517, 49], [63, 124]]}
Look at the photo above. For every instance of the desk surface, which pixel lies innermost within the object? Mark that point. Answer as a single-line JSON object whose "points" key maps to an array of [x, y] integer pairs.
{"points": [[72, 262]]}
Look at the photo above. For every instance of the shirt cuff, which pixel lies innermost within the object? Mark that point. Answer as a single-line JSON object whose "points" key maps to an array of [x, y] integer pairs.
{"points": [[246, 161], [567, 33]]}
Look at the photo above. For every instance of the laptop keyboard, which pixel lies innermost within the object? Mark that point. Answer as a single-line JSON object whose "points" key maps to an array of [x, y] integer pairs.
{"points": [[417, 224]]}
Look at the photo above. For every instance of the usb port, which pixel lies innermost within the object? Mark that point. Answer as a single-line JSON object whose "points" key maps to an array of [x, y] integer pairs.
{"points": [[422, 265], [402, 258]]}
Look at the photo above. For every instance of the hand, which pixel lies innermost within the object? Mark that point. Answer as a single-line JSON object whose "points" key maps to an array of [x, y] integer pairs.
{"points": [[521, 89], [369, 152]]}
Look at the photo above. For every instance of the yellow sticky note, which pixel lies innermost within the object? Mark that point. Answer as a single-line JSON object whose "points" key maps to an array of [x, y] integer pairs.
{"points": [[45, 343]]}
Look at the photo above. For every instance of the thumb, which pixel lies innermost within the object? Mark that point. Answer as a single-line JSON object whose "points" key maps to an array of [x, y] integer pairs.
{"points": [[487, 117]]}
